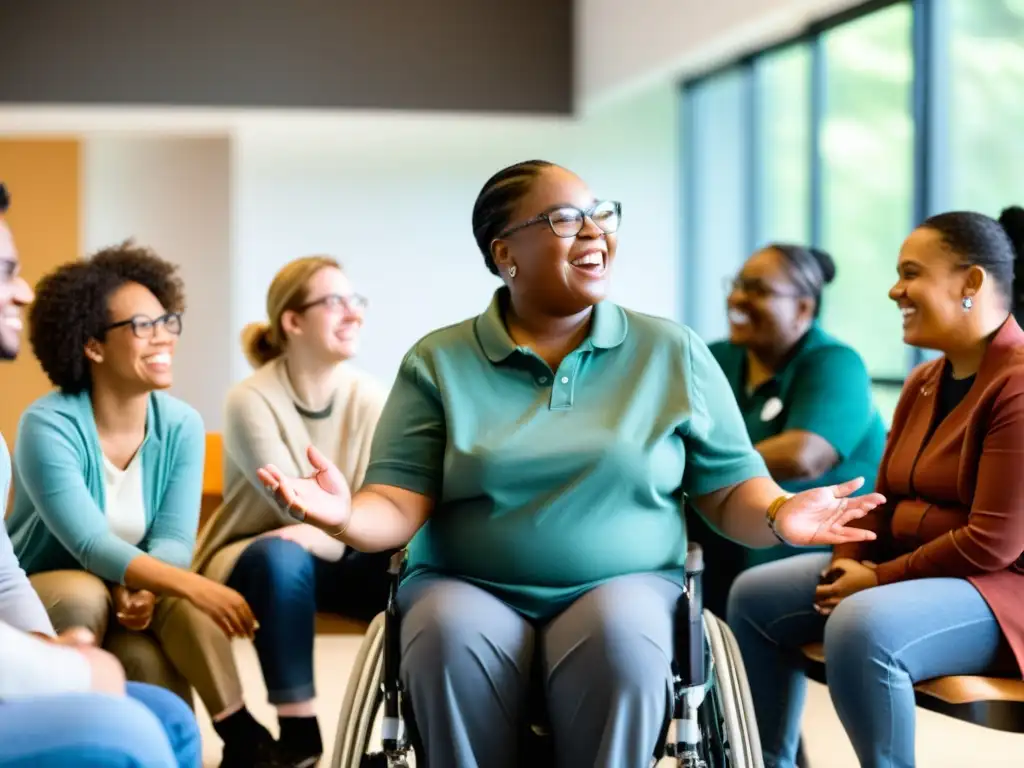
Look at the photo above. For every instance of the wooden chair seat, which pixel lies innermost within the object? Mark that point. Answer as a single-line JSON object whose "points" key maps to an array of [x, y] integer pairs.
{"points": [[992, 702]]}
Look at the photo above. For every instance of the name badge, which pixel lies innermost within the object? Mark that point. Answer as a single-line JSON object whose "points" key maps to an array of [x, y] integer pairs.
{"points": [[771, 409]]}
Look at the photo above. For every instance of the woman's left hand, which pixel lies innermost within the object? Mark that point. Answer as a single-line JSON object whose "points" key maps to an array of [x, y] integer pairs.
{"points": [[853, 577], [820, 515]]}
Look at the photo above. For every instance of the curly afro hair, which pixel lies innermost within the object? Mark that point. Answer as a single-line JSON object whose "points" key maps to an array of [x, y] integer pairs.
{"points": [[71, 307]]}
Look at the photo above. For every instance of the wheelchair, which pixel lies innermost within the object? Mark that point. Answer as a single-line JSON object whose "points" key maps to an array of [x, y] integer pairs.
{"points": [[711, 723]]}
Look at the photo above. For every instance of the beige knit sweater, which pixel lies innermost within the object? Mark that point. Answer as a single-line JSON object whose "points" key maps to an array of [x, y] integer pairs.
{"points": [[262, 425]]}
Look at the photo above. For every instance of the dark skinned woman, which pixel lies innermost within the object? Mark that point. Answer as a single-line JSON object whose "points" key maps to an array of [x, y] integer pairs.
{"points": [[535, 454], [805, 397]]}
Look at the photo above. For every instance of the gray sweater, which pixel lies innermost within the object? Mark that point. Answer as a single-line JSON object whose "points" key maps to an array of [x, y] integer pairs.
{"points": [[29, 666]]}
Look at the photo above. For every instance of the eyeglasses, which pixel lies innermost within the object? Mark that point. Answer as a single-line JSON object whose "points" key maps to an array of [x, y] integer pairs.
{"points": [[145, 328], [756, 288], [567, 221], [354, 302]]}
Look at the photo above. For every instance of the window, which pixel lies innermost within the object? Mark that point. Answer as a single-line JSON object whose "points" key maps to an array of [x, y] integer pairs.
{"points": [[985, 105], [783, 154], [717, 156], [866, 146]]}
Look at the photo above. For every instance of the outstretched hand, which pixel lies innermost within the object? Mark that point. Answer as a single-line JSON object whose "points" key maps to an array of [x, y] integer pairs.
{"points": [[322, 499], [819, 516]]}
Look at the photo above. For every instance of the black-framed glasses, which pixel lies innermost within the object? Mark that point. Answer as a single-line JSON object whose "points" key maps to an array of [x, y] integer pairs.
{"points": [[756, 288], [353, 302], [567, 220], [145, 327]]}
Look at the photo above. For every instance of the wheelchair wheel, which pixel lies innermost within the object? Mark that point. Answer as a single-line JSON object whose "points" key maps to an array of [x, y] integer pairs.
{"points": [[362, 700], [729, 723]]}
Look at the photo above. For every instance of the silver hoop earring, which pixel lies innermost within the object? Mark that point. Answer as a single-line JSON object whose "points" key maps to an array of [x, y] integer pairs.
{"points": [[512, 271], [967, 303]]}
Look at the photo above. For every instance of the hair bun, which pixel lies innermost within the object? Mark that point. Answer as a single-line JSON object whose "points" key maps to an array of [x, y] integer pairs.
{"points": [[1012, 219], [259, 348], [828, 266], [5, 198]]}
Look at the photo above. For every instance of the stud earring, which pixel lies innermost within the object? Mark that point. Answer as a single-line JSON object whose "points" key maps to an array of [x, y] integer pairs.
{"points": [[967, 303], [512, 271]]}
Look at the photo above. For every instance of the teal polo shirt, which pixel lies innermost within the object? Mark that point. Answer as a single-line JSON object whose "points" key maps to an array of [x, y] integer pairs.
{"points": [[549, 482], [823, 388]]}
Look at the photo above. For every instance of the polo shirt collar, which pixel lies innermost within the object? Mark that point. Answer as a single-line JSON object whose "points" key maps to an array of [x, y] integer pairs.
{"points": [[607, 330]]}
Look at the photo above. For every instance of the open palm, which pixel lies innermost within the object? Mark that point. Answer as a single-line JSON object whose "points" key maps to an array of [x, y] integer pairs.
{"points": [[324, 498], [820, 515]]}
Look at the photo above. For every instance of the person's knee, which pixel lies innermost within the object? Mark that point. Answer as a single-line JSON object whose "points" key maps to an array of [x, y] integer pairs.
{"points": [[174, 714], [279, 559], [448, 624], [855, 633], [624, 633], [75, 599], [117, 731]]}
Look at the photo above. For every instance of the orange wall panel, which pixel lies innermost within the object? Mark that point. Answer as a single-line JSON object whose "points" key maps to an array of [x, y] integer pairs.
{"points": [[42, 176]]}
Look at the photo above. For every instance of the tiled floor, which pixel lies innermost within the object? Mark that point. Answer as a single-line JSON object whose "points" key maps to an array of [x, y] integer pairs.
{"points": [[942, 742]]}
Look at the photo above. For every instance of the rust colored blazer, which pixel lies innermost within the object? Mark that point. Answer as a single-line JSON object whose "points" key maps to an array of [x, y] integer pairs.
{"points": [[955, 504]]}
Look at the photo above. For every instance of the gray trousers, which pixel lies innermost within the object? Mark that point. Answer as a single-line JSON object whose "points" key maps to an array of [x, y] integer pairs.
{"points": [[466, 665]]}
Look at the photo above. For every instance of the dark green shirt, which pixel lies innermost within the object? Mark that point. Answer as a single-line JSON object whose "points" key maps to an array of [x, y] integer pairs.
{"points": [[548, 483], [824, 388]]}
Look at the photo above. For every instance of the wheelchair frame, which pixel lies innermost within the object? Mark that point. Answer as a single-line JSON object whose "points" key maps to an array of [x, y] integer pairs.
{"points": [[712, 718]]}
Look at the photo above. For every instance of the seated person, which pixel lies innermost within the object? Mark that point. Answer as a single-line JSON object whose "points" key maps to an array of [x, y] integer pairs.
{"points": [[536, 452], [109, 484], [805, 397], [303, 392], [937, 592], [49, 715]]}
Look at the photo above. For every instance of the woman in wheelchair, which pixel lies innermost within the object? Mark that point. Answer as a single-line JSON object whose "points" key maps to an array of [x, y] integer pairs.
{"points": [[938, 592], [534, 456]]}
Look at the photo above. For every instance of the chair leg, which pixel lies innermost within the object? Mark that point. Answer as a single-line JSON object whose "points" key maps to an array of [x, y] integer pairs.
{"points": [[801, 756]]}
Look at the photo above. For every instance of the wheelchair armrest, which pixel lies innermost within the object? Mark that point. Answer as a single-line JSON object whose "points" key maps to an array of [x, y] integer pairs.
{"points": [[688, 640]]}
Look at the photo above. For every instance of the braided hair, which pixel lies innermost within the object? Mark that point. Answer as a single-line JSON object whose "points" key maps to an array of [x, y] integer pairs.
{"points": [[496, 201]]}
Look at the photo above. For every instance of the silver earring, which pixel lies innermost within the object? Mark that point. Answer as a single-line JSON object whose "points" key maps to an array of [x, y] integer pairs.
{"points": [[967, 303], [512, 271]]}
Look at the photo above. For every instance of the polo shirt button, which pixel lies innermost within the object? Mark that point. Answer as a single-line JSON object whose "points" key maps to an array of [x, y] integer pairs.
{"points": [[565, 379], [543, 380]]}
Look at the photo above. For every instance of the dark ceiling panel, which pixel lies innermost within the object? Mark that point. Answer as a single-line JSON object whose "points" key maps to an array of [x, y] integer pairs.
{"points": [[474, 55]]}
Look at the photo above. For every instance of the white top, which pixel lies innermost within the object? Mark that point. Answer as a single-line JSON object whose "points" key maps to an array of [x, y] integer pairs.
{"points": [[125, 502]]}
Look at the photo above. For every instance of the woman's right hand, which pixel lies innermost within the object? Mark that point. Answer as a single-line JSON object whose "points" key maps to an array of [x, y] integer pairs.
{"points": [[323, 499], [224, 605]]}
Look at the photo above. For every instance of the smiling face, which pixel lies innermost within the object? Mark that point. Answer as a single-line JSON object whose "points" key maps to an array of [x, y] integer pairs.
{"points": [[766, 311], [14, 294], [932, 284], [138, 355], [560, 275], [328, 328]]}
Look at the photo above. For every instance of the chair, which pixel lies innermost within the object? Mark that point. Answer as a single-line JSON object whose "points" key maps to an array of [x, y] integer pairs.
{"points": [[213, 477], [991, 702], [712, 713]]}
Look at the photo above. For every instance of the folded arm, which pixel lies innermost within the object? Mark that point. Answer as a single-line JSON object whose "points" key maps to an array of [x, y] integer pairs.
{"points": [[993, 537]]}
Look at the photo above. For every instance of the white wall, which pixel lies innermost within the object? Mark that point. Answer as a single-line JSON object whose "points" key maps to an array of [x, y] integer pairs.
{"points": [[172, 194], [622, 47], [391, 196]]}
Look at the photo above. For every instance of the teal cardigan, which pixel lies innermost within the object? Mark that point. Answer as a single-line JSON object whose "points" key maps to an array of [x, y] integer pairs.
{"points": [[58, 520]]}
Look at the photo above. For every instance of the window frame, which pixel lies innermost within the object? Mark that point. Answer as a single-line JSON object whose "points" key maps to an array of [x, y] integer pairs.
{"points": [[930, 45]]}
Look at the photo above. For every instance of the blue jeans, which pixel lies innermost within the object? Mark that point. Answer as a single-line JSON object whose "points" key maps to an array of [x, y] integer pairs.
{"points": [[285, 586], [151, 728], [878, 643]]}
